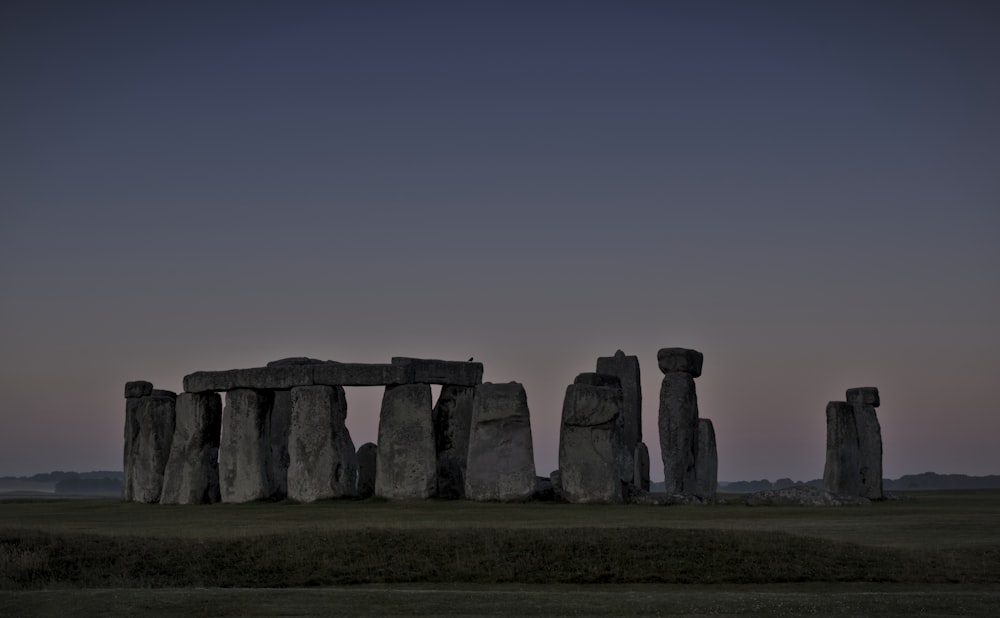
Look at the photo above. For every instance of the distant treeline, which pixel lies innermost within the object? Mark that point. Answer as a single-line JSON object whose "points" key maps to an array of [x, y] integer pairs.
{"points": [[927, 480], [59, 475], [98, 483]]}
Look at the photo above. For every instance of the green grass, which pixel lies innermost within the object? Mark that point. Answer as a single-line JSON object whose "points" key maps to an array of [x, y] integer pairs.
{"points": [[943, 549]]}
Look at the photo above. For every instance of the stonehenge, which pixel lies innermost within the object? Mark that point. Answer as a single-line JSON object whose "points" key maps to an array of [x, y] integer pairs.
{"points": [[280, 433], [854, 445]]}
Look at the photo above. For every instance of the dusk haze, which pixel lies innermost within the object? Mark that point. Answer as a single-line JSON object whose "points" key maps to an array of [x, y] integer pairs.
{"points": [[807, 193]]}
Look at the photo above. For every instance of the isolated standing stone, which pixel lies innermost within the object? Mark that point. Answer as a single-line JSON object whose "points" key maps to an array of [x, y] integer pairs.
{"points": [[501, 463], [367, 466], [244, 453], [707, 466], [678, 425], [192, 472], [865, 400], [322, 462], [591, 449], [641, 476], [149, 427], [407, 460], [626, 369], [452, 418], [842, 473]]}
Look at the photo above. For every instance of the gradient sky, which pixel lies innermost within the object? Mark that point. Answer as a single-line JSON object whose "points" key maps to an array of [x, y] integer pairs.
{"points": [[806, 192]]}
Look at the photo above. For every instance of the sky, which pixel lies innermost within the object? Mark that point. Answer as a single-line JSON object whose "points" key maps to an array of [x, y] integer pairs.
{"points": [[806, 192]]}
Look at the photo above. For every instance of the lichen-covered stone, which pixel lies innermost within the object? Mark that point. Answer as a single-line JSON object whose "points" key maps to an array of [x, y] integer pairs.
{"points": [[501, 464], [244, 453], [191, 475], [591, 450], [452, 418], [678, 425], [680, 360], [322, 462], [149, 427], [407, 461]]}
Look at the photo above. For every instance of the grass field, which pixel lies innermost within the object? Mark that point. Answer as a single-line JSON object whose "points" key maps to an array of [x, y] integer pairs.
{"points": [[936, 555]]}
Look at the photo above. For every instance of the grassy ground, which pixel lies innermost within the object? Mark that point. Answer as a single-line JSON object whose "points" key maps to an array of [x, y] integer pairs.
{"points": [[936, 555]]}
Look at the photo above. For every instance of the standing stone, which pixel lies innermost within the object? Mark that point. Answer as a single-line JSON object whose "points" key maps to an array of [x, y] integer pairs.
{"points": [[707, 465], [245, 449], [556, 479], [865, 400], [626, 369], [501, 463], [842, 473], [322, 462], [149, 427], [452, 418], [279, 423], [192, 472], [641, 476], [407, 460], [367, 466], [590, 442], [678, 425]]}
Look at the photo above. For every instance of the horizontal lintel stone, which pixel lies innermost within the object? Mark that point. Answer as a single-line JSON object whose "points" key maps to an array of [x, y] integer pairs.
{"points": [[433, 371], [279, 378], [361, 374]]}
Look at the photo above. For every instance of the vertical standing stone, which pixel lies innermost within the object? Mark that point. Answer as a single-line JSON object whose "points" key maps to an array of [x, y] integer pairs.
{"points": [[407, 460], [707, 465], [134, 392], [590, 441], [279, 423], [626, 369], [678, 424], [865, 400], [367, 469], [641, 476], [149, 426], [322, 462], [245, 448], [842, 475], [452, 418], [192, 472], [501, 463]]}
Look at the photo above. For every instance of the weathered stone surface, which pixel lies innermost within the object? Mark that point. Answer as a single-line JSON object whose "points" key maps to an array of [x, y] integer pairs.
{"points": [[362, 374], [641, 475], [191, 475], [626, 369], [279, 424], [138, 388], [433, 371], [801, 495], [159, 392], [367, 466], [501, 464], [591, 451], [407, 460], [322, 462], [869, 451], [452, 418], [295, 360], [149, 427], [842, 473], [707, 465], [245, 447], [864, 395], [680, 360], [598, 379], [277, 377], [678, 425]]}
